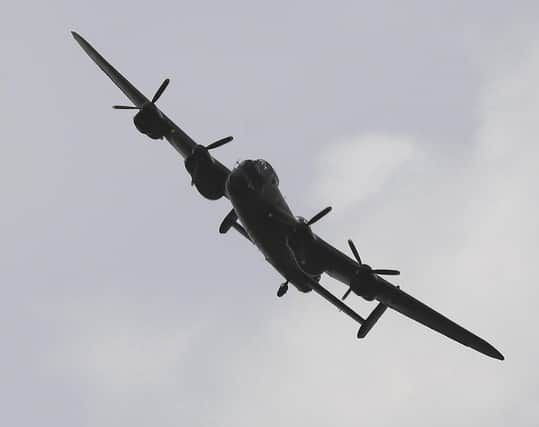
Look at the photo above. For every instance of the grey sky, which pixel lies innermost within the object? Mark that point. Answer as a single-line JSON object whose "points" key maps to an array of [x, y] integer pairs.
{"points": [[415, 120]]}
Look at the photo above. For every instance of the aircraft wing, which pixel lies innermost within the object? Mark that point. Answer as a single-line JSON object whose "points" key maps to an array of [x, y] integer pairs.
{"points": [[343, 268], [127, 88], [175, 136], [400, 301]]}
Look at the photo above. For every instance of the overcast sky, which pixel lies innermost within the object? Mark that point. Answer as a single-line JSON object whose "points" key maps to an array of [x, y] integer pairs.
{"points": [[417, 121]]}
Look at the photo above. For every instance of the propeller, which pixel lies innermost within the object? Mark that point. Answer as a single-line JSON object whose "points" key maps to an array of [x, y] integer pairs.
{"points": [[288, 220], [319, 216], [367, 268], [346, 293], [160, 90], [125, 107], [157, 95], [219, 142], [379, 271]]}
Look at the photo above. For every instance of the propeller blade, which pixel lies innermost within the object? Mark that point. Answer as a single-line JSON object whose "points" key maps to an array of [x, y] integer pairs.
{"points": [[346, 293], [125, 107], [386, 272], [219, 142], [160, 90], [319, 216], [354, 251]]}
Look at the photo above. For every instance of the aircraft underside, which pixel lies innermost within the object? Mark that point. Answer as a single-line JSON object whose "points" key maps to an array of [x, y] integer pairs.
{"points": [[286, 241]]}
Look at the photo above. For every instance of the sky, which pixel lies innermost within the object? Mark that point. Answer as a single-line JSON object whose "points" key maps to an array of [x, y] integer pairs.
{"points": [[123, 305]]}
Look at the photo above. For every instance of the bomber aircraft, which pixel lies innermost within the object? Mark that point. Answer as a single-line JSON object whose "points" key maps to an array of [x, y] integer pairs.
{"points": [[261, 215]]}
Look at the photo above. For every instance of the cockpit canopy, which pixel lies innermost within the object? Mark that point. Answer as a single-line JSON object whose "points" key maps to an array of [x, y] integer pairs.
{"points": [[259, 171], [266, 169]]}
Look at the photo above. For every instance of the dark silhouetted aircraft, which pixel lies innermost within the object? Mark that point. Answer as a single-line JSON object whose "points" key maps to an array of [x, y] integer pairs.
{"points": [[261, 215]]}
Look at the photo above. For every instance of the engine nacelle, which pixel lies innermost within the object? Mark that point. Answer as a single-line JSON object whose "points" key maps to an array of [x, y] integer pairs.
{"points": [[149, 121], [205, 175], [363, 285]]}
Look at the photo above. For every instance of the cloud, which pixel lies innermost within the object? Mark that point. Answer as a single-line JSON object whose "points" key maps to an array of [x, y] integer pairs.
{"points": [[352, 169], [488, 222], [303, 366], [106, 323]]}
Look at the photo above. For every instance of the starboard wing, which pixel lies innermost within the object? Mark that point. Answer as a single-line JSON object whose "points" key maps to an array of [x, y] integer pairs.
{"points": [[175, 135], [125, 86]]}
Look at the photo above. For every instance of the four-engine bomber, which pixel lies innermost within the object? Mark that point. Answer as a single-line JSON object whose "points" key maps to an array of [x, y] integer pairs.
{"points": [[261, 215]]}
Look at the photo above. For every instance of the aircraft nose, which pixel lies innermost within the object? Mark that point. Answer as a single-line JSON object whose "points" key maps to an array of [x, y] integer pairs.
{"points": [[237, 183]]}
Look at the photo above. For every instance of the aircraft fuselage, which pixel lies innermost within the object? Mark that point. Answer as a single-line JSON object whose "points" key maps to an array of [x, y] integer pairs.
{"points": [[253, 189]]}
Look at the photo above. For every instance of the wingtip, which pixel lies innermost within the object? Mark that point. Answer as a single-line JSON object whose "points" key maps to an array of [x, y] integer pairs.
{"points": [[78, 38], [498, 355], [490, 351]]}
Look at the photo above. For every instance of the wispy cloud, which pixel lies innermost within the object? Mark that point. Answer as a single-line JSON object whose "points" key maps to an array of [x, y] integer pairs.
{"points": [[488, 259], [305, 366], [352, 169], [123, 306]]}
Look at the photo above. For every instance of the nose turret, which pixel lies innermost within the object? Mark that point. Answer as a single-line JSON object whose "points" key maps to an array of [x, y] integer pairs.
{"points": [[239, 181], [251, 175]]}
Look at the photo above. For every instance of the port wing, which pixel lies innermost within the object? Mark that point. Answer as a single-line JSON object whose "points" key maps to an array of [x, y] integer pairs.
{"points": [[400, 301]]}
